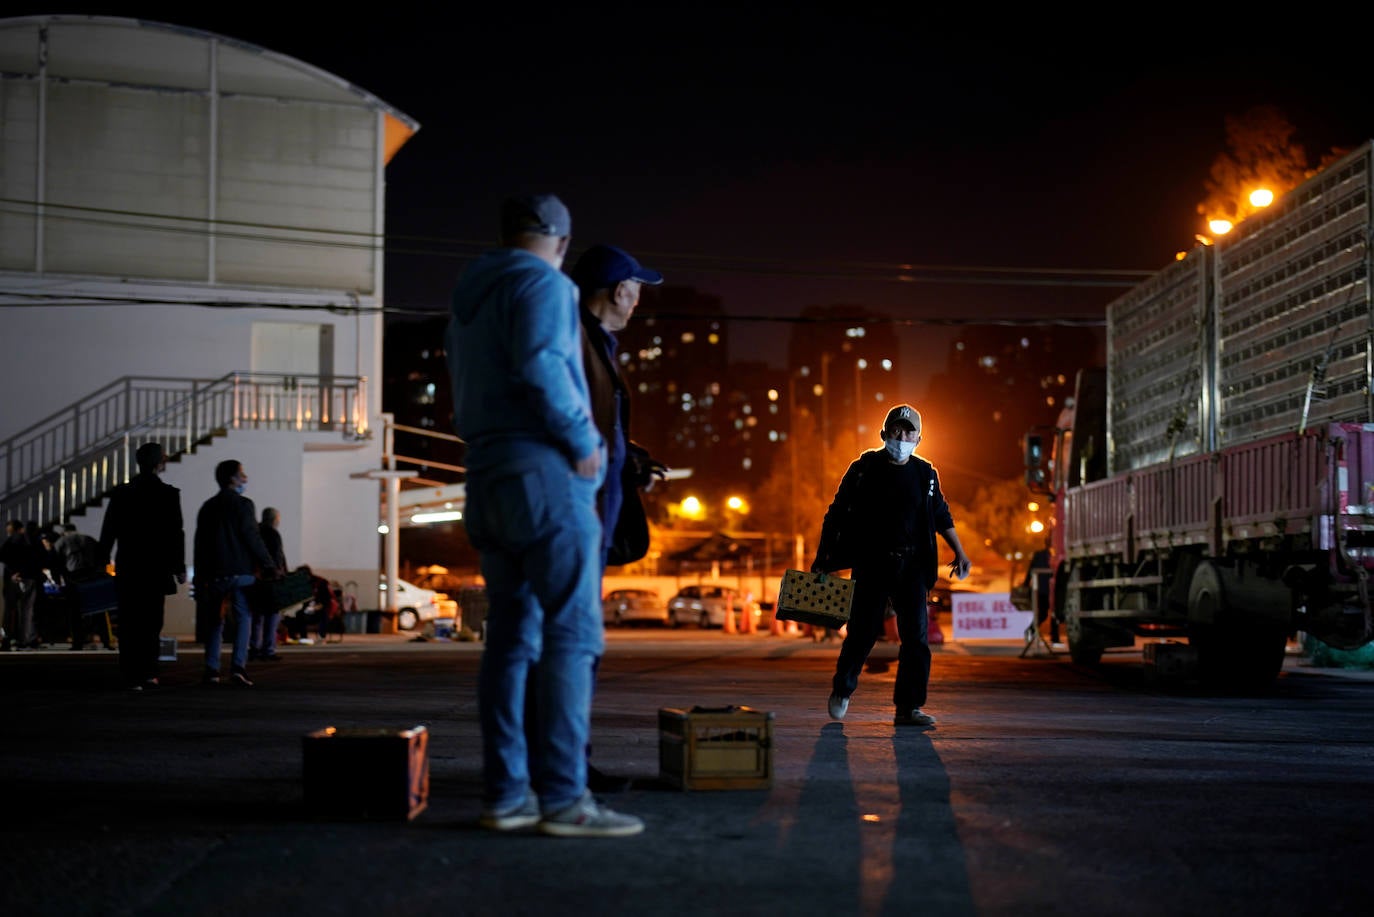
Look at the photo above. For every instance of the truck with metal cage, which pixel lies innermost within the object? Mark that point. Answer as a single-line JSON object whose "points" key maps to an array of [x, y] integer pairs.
{"points": [[1213, 484]]}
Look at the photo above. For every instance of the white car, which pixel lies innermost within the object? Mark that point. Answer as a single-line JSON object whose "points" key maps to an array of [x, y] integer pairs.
{"points": [[415, 605], [705, 606], [626, 606]]}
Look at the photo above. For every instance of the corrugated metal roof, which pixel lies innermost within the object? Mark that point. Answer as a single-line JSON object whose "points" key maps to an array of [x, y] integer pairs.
{"points": [[150, 54]]}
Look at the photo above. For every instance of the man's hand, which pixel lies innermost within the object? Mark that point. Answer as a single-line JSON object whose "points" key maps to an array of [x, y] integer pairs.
{"points": [[589, 466], [959, 567], [653, 468]]}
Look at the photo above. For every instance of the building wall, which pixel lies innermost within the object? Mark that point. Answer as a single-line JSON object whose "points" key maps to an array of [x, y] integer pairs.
{"points": [[328, 518], [170, 192], [70, 351]]}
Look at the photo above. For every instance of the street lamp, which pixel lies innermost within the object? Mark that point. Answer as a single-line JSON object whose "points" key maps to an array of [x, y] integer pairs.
{"points": [[692, 508]]}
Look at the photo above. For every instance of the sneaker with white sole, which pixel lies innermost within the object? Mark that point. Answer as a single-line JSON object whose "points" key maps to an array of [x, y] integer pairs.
{"points": [[586, 818], [524, 814], [914, 718], [838, 706]]}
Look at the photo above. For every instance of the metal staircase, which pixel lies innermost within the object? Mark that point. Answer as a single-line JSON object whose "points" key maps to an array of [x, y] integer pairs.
{"points": [[70, 460]]}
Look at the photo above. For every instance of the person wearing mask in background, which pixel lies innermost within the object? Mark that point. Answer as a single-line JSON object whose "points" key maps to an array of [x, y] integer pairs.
{"points": [[143, 531], [535, 461], [882, 525], [228, 548], [262, 642]]}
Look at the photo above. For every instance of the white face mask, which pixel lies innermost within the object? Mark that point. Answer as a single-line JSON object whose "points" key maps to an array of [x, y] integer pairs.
{"points": [[899, 450]]}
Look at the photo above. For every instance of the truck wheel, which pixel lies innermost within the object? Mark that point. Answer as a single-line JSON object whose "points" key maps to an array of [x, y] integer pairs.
{"points": [[1085, 646], [1235, 651]]}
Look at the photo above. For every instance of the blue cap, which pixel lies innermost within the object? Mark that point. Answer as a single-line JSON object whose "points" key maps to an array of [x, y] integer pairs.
{"points": [[601, 267], [541, 213]]}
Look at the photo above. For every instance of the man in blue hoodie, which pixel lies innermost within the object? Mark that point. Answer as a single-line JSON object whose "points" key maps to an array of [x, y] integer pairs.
{"points": [[535, 460]]}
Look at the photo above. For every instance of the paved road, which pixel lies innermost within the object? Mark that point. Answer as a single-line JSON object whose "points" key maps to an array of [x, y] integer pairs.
{"points": [[1044, 789]]}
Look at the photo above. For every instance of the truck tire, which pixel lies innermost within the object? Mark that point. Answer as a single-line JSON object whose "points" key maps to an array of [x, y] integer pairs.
{"points": [[1235, 651], [1085, 646]]}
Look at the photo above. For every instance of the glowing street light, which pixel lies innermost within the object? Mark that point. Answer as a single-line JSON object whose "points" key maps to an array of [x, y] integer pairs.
{"points": [[692, 508]]}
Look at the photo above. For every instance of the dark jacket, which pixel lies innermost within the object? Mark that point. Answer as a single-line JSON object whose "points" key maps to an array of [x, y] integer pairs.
{"points": [[271, 538], [143, 528], [16, 554], [82, 558], [609, 395], [227, 541], [868, 518]]}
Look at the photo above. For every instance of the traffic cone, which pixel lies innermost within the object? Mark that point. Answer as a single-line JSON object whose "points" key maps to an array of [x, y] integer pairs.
{"points": [[775, 629], [747, 613], [729, 618]]}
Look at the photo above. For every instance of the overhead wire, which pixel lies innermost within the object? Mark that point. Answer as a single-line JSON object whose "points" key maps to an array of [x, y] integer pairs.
{"points": [[406, 245]]}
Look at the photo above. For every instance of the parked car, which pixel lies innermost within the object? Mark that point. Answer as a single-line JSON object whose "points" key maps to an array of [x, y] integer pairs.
{"points": [[415, 605], [633, 606], [705, 606]]}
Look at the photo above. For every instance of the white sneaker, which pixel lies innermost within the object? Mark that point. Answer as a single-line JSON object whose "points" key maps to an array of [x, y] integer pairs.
{"points": [[524, 814], [839, 706], [914, 718], [585, 818]]}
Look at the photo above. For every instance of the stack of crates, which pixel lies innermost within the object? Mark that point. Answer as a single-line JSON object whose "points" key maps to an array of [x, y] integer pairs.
{"points": [[722, 748]]}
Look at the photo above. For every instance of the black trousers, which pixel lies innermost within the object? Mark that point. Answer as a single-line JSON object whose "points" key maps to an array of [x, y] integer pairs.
{"points": [[896, 579], [142, 604]]}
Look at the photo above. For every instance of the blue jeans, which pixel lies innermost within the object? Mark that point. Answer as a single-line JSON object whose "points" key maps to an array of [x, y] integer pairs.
{"points": [[264, 635], [236, 587], [534, 522]]}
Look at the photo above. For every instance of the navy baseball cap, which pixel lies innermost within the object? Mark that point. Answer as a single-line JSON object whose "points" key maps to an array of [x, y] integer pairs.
{"points": [[541, 213], [601, 267]]}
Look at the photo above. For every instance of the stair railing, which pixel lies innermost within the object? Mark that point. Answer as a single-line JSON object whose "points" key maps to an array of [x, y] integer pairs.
{"points": [[87, 455]]}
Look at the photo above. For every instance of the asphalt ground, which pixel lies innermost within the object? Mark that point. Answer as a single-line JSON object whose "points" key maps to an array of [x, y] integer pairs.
{"points": [[189, 799]]}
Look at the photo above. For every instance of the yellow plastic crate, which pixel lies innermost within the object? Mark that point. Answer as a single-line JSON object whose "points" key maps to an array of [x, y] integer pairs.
{"points": [[721, 748]]}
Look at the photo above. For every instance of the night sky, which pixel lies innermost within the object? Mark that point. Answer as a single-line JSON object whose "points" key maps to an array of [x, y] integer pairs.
{"points": [[780, 159]]}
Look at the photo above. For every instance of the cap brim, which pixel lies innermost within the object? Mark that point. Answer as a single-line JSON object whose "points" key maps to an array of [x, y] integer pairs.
{"points": [[646, 275]]}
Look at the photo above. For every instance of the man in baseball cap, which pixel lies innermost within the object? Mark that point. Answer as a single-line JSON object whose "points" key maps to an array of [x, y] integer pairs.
{"points": [[609, 281], [882, 525], [538, 214]]}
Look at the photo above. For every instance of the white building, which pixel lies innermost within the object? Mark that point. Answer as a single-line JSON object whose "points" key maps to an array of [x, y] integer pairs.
{"points": [[191, 252]]}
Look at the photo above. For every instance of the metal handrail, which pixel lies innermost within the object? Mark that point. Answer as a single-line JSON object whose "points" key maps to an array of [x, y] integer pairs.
{"points": [[79, 472]]}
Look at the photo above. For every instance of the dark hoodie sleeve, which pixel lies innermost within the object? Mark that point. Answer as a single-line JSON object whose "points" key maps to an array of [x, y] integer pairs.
{"points": [[837, 517]]}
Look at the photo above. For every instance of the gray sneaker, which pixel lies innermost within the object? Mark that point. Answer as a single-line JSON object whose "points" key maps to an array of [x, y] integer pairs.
{"points": [[585, 818], [525, 814], [914, 718]]}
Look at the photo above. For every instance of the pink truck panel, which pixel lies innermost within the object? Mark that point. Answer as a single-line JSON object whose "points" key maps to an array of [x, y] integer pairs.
{"points": [[1287, 484]]}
